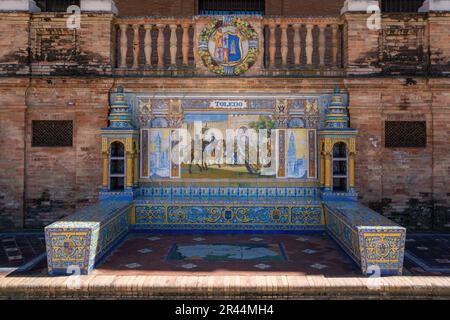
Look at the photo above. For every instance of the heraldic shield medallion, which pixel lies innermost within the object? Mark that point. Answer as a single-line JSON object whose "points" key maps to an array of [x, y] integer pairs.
{"points": [[229, 46]]}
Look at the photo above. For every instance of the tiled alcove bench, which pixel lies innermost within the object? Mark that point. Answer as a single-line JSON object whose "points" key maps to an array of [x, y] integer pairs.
{"points": [[374, 242], [78, 242]]}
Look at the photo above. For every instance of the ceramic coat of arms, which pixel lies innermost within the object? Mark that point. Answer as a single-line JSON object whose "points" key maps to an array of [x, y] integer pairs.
{"points": [[229, 46]]}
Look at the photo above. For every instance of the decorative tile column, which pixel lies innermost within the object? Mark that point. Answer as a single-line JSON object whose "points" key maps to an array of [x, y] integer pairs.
{"points": [[120, 130], [337, 131]]}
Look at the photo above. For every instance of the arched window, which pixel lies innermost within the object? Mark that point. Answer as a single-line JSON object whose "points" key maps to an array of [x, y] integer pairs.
{"points": [[340, 167], [117, 167]]}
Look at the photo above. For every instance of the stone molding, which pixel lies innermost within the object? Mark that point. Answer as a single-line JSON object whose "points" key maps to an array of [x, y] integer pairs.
{"points": [[99, 6], [19, 5], [435, 5], [358, 5]]}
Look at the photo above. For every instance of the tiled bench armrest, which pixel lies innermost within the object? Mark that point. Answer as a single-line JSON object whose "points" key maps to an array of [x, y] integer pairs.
{"points": [[78, 241], [374, 242]]}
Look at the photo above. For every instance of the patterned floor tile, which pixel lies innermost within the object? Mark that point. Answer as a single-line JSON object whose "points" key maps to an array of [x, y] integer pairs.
{"points": [[145, 250], [318, 266], [429, 254], [189, 266], [443, 260], [133, 265], [19, 249], [158, 262]]}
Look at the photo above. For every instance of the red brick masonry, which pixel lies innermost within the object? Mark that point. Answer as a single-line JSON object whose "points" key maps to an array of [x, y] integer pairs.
{"points": [[197, 287]]}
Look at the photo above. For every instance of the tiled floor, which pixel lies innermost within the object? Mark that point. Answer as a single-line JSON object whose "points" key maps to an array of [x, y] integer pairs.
{"points": [[298, 255], [147, 254], [428, 254], [18, 249]]}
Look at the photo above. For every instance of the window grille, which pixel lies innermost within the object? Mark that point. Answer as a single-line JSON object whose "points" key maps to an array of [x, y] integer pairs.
{"points": [[406, 6], [56, 5], [47, 133], [405, 134], [207, 7]]}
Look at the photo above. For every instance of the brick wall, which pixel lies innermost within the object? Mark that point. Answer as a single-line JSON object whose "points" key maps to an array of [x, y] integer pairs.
{"points": [[179, 8], [439, 24], [14, 28], [61, 179], [304, 7], [12, 134], [171, 8], [57, 50], [406, 184], [409, 185]]}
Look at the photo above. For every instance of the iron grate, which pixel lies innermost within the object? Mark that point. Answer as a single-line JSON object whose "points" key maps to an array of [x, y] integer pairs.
{"points": [[206, 7], [52, 133], [404, 6], [405, 134], [56, 5]]}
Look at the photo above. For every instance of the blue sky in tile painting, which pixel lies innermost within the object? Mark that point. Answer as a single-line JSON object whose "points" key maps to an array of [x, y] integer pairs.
{"points": [[191, 117]]}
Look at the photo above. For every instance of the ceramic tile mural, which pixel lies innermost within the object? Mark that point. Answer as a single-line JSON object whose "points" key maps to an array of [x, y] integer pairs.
{"points": [[229, 146], [159, 153], [297, 153]]}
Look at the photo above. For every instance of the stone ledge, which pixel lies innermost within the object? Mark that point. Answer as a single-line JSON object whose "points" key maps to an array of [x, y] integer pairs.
{"points": [[201, 287]]}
